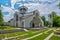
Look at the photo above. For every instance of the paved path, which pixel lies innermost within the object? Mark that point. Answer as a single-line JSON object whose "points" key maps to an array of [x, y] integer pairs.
{"points": [[49, 36]]}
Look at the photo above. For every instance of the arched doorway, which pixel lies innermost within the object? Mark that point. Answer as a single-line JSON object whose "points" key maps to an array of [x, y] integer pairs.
{"points": [[22, 23], [33, 25]]}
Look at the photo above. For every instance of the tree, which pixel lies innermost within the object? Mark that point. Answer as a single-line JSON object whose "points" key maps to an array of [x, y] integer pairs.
{"points": [[46, 23], [59, 5], [44, 20], [1, 18], [56, 19], [53, 14]]}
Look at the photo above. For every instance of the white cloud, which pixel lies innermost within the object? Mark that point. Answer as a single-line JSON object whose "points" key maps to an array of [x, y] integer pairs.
{"points": [[13, 3], [43, 8], [10, 15]]}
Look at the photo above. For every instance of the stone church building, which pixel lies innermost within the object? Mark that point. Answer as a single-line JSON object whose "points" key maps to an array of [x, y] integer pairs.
{"points": [[24, 19]]}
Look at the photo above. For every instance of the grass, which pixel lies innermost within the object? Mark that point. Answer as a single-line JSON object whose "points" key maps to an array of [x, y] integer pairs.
{"points": [[8, 28], [43, 36], [11, 34], [29, 35], [15, 34], [54, 37]]}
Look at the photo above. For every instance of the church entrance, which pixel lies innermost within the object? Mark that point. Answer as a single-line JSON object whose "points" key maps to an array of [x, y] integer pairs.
{"points": [[33, 25], [22, 23]]}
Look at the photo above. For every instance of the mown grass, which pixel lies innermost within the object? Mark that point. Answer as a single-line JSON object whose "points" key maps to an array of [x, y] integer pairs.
{"points": [[43, 36], [7, 28], [55, 37], [11, 34], [29, 35], [15, 34]]}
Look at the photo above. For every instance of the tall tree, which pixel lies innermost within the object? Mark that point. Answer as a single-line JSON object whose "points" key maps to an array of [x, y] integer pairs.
{"points": [[53, 14], [43, 18], [56, 19], [1, 18], [59, 5]]}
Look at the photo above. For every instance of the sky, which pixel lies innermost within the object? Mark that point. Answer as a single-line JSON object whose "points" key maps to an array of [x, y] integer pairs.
{"points": [[45, 7]]}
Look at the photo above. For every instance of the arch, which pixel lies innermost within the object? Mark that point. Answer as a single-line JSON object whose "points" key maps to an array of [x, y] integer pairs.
{"points": [[35, 22]]}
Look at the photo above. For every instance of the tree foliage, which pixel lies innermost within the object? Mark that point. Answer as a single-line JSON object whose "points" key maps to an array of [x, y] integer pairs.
{"points": [[1, 18], [59, 5], [56, 19], [44, 20]]}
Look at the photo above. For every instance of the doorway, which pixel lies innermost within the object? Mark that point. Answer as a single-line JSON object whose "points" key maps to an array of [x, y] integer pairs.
{"points": [[33, 25]]}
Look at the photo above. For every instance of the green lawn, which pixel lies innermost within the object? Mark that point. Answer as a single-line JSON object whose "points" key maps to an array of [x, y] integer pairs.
{"points": [[15, 34], [8, 28], [31, 33], [55, 37], [43, 36], [11, 34]]}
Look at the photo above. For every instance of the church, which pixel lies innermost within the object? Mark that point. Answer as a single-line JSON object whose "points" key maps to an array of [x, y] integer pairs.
{"points": [[24, 19]]}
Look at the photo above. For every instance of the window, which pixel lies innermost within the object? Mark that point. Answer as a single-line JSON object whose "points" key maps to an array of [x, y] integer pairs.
{"points": [[16, 17]]}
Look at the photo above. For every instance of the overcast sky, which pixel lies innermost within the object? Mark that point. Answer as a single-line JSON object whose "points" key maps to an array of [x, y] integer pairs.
{"points": [[44, 6]]}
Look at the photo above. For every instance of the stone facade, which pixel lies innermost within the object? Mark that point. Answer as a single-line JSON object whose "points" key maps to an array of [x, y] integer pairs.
{"points": [[21, 19]]}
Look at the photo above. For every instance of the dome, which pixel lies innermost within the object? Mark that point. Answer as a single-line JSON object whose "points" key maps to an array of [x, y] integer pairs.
{"points": [[23, 9]]}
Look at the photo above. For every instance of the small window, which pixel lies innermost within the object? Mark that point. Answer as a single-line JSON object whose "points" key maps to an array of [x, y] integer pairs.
{"points": [[16, 17]]}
